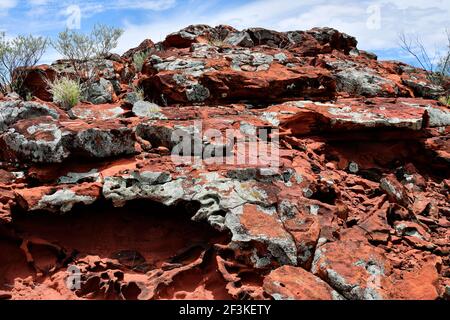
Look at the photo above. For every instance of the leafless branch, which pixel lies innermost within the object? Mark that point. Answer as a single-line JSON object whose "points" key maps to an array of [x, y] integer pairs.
{"points": [[438, 67]]}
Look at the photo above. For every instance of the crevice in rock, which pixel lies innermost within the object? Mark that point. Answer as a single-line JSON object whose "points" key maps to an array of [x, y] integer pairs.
{"points": [[132, 241]]}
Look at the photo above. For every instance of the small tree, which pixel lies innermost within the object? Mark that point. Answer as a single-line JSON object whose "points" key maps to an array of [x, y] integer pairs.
{"points": [[82, 50], [16, 55], [437, 66]]}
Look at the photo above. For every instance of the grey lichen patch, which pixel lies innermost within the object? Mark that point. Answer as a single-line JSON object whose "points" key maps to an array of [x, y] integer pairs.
{"points": [[179, 64], [148, 110], [302, 104], [438, 117], [249, 191], [318, 254], [260, 262], [246, 60], [314, 209], [152, 178], [371, 119], [336, 296], [353, 167], [367, 287], [197, 93], [38, 150], [241, 39], [99, 143], [401, 229], [13, 111], [352, 291], [271, 117], [204, 51], [307, 192], [243, 174], [62, 201], [180, 79], [280, 57], [282, 248], [280, 297], [149, 185], [339, 283], [215, 194], [286, 210], [100, 92], [359, 81], [88, 113], [262, 174], [247, 128], [390, 189], [305, 252], [424, 89], [75, 177]]}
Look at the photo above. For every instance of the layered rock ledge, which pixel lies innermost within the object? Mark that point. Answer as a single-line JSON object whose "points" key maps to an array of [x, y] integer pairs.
{"points": [[326, 176]]}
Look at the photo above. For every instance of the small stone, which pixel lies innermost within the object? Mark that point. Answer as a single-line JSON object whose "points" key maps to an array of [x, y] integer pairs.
{"points": [[353, 167], [147, 110]]}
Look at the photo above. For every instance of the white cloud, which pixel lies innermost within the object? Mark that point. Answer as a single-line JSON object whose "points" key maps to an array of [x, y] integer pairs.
{"points": [[155, 5], [7, 4], [38, 2]]}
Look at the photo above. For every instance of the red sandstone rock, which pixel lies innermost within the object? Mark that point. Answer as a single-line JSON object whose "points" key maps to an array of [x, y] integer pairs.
{"points": [[344, 191], [240, 74], [60, 199], [354, 268], [419, 284], [99, 112], [358, 115], [290, 283], [36, 79], [146, 46]]}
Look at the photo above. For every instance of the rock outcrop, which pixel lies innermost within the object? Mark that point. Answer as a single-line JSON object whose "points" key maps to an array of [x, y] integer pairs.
{"points": [[254, 164]]}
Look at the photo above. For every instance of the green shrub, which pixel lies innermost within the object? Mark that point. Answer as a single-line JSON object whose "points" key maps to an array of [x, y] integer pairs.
{"points": [[445, 100], [16, 55], [139, 60], [66, 92], [139, 93], [81, 48], [217, 43]]}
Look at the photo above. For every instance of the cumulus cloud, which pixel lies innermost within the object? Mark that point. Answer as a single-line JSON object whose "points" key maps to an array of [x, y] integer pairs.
{"points": [[7, 4], [155, 5], [38, 2], [47, 16]]}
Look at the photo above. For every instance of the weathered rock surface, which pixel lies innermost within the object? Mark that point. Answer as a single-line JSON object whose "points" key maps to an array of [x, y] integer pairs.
{"points": [[291, 283], [256, 165]]}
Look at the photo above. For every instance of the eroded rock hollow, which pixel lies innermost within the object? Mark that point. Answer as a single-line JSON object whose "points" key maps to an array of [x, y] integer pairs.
{"points": [[313, 171]]}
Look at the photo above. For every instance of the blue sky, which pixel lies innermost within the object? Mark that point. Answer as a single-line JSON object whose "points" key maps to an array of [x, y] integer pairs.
{"points": [[376, 24]]}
